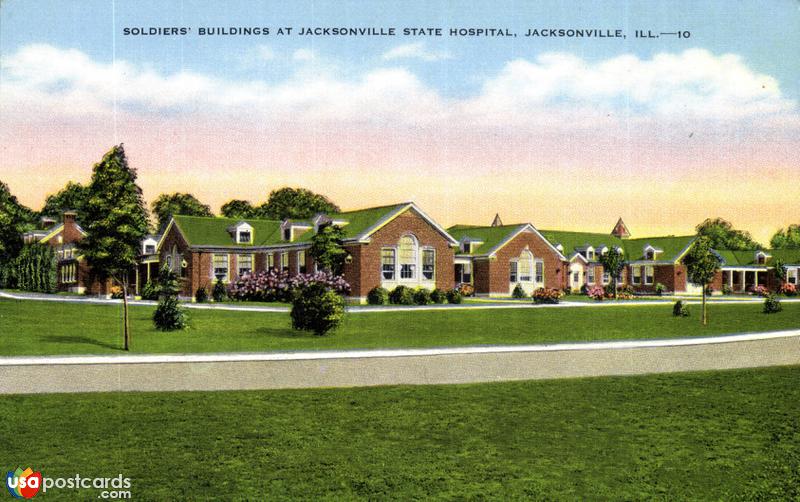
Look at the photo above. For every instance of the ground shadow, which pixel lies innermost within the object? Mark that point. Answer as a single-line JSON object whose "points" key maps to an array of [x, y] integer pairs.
{"points": [[80, 340]]}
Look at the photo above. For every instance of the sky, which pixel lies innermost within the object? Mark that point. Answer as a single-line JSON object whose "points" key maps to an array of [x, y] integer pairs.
{"points": [[563, 132]]}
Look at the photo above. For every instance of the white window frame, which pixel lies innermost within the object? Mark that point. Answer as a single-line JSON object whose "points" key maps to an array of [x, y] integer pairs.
{"points": [[636, 276], [239, 264], [527, 258], [650, 278], [432, 251], [538, 271], [242, 233], [413, 264], [214, 274], [468, 267], [393, 269], [792, 275], [301, 261], [513, 271], [270, 261], [284, 261], [606, 278], [590, 275]]}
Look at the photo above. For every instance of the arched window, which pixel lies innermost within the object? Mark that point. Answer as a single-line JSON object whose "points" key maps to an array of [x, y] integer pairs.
{"points": [[525, 266], [407, 256]]}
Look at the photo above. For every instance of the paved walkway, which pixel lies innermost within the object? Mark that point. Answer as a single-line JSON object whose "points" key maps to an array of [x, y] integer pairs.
{"points": [[499, 304], [25, 375]]}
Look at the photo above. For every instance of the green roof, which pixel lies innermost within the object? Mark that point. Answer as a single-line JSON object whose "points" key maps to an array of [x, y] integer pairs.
{"points": [[747, 258], [633, 249], [490, 237], [574, 240], [360, 220], [210, 231]]}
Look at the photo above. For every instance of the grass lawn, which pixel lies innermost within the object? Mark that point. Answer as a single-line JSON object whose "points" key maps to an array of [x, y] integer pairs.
{"points": [[700, 436], [34, 327]]}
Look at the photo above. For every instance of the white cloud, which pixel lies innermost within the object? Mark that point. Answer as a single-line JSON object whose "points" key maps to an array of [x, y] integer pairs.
{"points": [[415, 50], [304, 55], [555, 89]]}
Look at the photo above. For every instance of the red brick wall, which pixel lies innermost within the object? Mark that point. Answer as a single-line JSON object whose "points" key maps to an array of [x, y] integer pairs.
{"points": [[498, 268], [481, 276], [364, 272]]}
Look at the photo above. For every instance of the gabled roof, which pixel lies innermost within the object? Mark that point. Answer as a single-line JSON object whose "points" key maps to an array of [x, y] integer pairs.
{"points": [[671, 248], [573, 241], [493, 237], [213, 231], [747, 258]]}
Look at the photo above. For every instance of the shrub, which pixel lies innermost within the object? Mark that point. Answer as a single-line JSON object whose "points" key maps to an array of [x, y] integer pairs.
{"points": [[150, 291], [201, 295], [680, 310], [169, 315], [627, 290], [219, 293], [438, 296], [546, 295], [116, 292], [402, 295], [329, 280], [277, 286], [772, 305], [760, 291], [566, 291], [378, 296], [518, 292], [609, 290], [34, 269], [585, 289], [454, 296], [726, 290], [465, 289], [709, 290], [317, 308], [660, 288], [422, 296], [788, 289], [597, 293]]}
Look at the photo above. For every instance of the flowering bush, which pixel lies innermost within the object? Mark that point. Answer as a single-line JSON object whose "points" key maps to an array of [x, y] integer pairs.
{"points": [[277, 286], [597, 293], [760, 291], [788, 289], [465, 289], [772, 305], [116, 292], [547, 295]]}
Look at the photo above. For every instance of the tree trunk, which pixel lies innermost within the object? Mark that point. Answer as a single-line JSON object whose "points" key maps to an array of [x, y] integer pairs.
{"points": [[125, 326], [705, 317]]}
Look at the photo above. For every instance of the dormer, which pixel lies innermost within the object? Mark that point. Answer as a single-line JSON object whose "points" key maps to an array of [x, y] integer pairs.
{"points": [[587, 251], [149, 244], [560, 248], [651, 253], [467, 245], [603, 250], [242, 233], [762, 257], [321, 219], [291, 230]]}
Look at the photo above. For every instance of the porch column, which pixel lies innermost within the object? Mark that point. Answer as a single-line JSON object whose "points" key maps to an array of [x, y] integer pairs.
{"points": [[755, 278], [744, 274], [730, 279]]}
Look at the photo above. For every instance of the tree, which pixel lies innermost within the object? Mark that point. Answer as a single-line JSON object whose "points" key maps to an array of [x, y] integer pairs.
{"points": [[34, 269], [168, 315], [295, 203], [116, 222], [613, 262], [326, 248], [701, 266], [786, 239], [238, 208], [317, 308], [722, 235], [177, 203], [72, 197], [15, 219]]}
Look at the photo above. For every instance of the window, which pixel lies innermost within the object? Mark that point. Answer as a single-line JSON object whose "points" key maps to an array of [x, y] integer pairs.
{"points": [[637, 275], [387, 263], [791, 275], [648, 274], [287, 234], [590, 254], [512, 272], [270, 261], [285, 262], [245, 262], [606, 278], [463, 273], [539, 271], [762, 259], [150, 249], [245, 236], [525, 267], [69, 273], [466, 247], [301, 262], [428, 264], [590, 275], [408, 257], [169, 261], [220, 262]]}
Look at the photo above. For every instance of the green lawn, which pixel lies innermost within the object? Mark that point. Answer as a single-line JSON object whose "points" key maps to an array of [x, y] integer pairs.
{"points": [[700, 436], [35, 327]]}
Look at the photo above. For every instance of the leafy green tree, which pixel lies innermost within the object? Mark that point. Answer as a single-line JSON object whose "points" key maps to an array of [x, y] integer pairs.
{"points": [[701, 266], [72, 197], [169, 315], [326, 248], [786, 239], [295, 203], [613, 262], [722, 235], [780, 270], [185, 204], [35, 268], [115, 221], [238, 208], [15, 219]]}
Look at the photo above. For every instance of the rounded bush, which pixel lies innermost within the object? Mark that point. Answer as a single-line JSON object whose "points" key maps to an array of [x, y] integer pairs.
{"points": [[422, 296], [169, 315], [402, 295], [680, 310], [150, 291], [518, 292], [659, 289], [219, 293], [201, 295], [546, 296], [438, 296], [772, 305], [454, 296], [378, 296], [317, 309]]}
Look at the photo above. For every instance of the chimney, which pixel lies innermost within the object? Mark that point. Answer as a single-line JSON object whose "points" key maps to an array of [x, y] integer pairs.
{"points": [[71, 231]]}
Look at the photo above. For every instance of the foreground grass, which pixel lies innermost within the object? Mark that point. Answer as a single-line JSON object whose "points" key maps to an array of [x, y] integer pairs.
{"points": [[40, 328], [701, 436]]}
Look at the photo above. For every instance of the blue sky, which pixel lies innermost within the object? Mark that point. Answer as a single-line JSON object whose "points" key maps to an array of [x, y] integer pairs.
{"points": [[765, 34]]}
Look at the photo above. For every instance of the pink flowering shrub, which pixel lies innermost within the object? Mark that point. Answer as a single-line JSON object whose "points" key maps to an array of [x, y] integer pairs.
{"points": [[760, 291], [277, 286], [596, 292], [788, 289], [547, 295]]}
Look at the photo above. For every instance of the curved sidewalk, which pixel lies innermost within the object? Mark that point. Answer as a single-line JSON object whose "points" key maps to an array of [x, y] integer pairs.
{"points": [[22, 375]]}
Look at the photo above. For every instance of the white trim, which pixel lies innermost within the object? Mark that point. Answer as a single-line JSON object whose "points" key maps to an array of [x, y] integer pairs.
{"points": [[364, 237]]}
